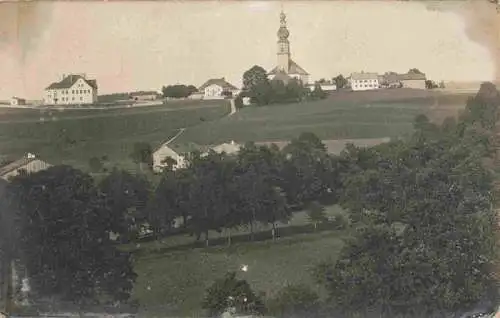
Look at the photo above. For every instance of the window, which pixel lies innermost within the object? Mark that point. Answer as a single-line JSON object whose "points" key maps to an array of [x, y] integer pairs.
{"points": [[81, 98], [73, 98]]}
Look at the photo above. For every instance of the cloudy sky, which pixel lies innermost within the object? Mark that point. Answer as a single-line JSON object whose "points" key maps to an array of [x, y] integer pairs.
{"points": [[144, 45]]}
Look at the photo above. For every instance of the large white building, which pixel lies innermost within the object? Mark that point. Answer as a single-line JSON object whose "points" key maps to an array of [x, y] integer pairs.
{"points": [[73, 89], [286, 67], [364, 81]]}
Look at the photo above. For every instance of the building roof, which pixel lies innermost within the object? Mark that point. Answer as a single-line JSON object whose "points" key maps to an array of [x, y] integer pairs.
{"points": [[70, 80], [18, 98], [412, 76], [17, 164], [363, 76], [293, 69], [229, 148], [394, 77], [218, 81]]}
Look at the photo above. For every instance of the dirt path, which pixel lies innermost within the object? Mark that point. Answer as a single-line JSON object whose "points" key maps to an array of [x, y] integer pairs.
{"points": [[181, 130]]}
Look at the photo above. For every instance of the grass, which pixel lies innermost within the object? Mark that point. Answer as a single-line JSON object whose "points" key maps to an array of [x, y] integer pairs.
{"points": [[332, 118], [173, 282], [74, 136]]}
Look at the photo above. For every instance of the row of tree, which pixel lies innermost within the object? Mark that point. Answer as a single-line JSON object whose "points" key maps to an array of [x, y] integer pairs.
{"points": [[178, 91]]}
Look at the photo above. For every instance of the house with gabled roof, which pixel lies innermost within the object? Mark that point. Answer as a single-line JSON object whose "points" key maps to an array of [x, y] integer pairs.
{"points": [[173, 155], [27, 164], [73, 89], [218, 88]]}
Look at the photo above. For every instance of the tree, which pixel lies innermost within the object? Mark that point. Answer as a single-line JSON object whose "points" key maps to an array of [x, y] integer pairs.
{"points": [[340, 81], [142, 154], [430, 84], [414, 71], [126, 197], [65, 244], [178, 91], [229, 292], [257, 85], [318, 92], [316, 213], [425, 237], [295, 301], [95, 164]]}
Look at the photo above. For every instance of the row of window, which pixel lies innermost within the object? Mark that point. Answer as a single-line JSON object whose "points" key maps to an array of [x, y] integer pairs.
{"points": [[76, 91], [365, 86], [366, 81], [66, 99]]}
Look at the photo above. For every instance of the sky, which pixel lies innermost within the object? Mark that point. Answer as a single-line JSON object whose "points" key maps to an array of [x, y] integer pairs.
{"points": [[128, 46]]}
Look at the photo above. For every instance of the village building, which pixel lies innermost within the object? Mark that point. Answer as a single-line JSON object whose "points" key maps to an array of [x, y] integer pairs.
{"points": [[229, 148], [174, 156], [364, 81], [16, 101], [74, 89], [407, 80], [28, 164], [285, 64], [326, 86], [218, 88], [144, 96]]}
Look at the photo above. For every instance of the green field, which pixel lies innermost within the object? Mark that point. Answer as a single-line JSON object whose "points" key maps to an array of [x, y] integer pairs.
{"points": [[329, 119], [74, 136], [173, 282]]}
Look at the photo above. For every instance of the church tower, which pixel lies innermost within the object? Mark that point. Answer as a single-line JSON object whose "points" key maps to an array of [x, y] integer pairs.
{"points": [[286, 68], [283, 45]]}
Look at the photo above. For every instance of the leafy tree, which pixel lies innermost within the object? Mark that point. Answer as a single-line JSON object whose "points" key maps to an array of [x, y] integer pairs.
{"points": [[142, 154], [340, 81], [414, 71], [65, 244], [295, 90], [126, 197], [318, 92], [295, 301], [178, 91], [95, 164], [316, 213], [229, 292], [257, 85]]}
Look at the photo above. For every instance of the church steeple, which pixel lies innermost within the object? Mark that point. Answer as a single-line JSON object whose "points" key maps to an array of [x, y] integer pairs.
{"points": [[283, 45]]}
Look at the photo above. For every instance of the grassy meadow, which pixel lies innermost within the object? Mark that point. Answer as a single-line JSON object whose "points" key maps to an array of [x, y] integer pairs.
{"points": [[172, 281], [332, 118], [74, 136]]}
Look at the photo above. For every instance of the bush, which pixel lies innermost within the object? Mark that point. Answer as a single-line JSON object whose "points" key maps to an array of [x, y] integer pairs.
{"points": [[295, 301]]}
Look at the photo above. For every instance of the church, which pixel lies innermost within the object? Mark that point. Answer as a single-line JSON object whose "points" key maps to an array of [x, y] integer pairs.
{"points": [[286, 68]]}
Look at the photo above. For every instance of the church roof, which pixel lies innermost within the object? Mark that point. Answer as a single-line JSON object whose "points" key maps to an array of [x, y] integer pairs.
{"points": [[293, 69]]}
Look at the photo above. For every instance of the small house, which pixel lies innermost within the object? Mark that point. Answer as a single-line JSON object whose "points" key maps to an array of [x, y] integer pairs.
{"points": [[16, 101], [28, 164]]}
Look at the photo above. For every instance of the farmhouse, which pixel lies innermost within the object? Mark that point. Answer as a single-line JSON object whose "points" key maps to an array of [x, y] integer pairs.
{"points": [[285, 63], [16, 101], [413, 80], [218, 88], [177, 154], [74, 89], [364, 81], [163, 154], [407, 80], [230, 148], [326, 86], [28, 164]]}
